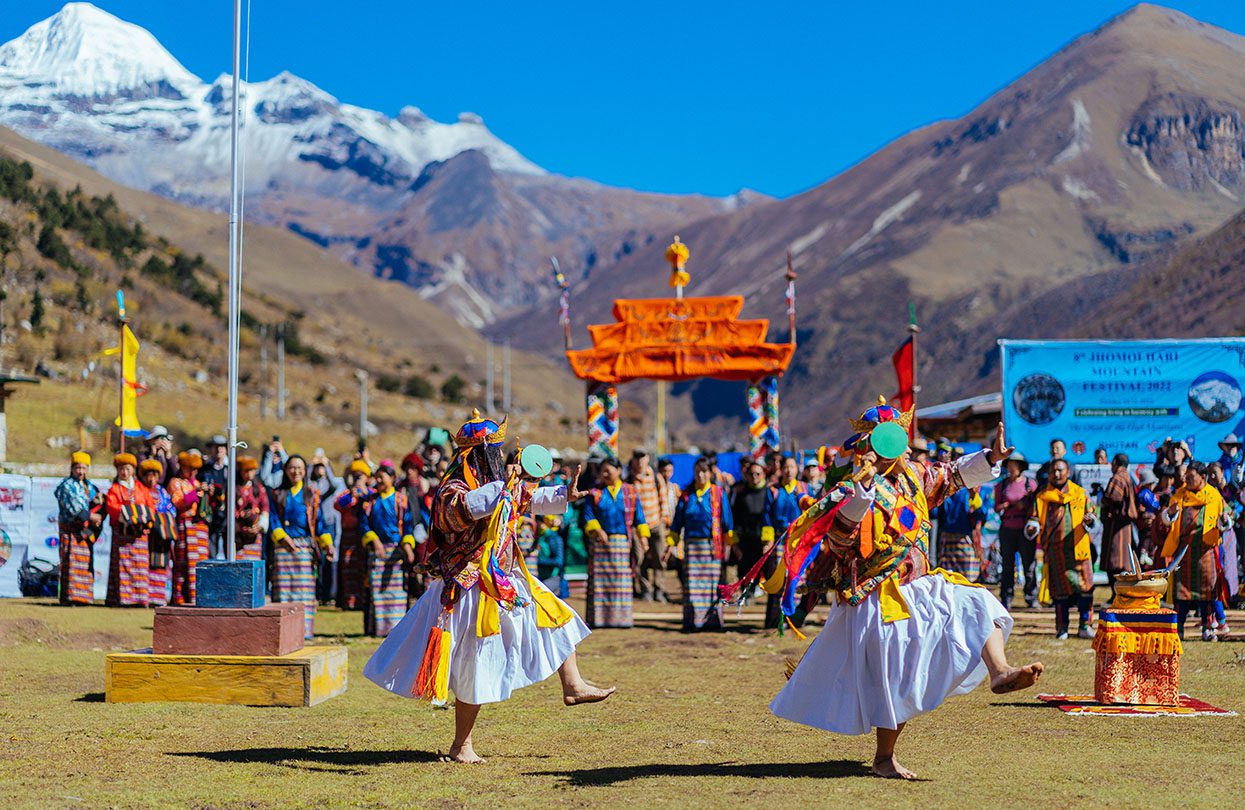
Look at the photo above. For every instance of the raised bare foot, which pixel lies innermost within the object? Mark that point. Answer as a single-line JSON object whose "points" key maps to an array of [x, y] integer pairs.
{"points": [[464, 754], [1016, 678], [889, 768], [587, 693]]}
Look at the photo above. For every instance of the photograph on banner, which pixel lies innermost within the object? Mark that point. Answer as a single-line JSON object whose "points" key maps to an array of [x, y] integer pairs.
{"points": [[1125, 396]]}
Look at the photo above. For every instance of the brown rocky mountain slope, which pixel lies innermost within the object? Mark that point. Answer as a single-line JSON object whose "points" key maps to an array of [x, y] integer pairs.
{"points": [[1119, 146]]}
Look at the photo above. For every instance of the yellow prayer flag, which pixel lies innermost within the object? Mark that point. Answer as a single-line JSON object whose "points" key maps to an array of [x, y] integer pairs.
{"points": [[128, 420]]}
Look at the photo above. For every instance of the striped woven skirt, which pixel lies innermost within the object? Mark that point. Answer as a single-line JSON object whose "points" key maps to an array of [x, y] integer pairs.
{"points": [[77, 569], [956, 552], [352, 572], [384, 602], [702, 573], [158, 579], [189, 548], [609, 582], [295, 578], [251, 551], [127, 571]]}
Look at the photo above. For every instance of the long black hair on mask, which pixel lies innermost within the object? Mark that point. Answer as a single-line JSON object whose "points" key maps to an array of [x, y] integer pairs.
{"points": [[489, 462]]}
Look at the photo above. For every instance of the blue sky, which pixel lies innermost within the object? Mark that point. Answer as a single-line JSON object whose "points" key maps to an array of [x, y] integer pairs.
{"points": [[669, 96]]}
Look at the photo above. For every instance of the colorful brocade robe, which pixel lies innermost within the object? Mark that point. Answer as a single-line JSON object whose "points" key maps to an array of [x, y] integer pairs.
{"points": [[889, 547]]}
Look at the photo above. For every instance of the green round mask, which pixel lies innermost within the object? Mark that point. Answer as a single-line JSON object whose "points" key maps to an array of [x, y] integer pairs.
{"points": [[888, 440]]}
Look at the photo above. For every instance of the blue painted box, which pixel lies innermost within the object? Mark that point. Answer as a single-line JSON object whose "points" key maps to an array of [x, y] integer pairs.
{"points": [[224, 584]]}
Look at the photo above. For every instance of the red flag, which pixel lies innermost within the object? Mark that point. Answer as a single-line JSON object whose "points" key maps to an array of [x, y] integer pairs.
{"points": [[904, 374]]}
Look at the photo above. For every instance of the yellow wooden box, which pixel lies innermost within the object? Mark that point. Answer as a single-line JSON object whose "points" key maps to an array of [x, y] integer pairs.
{"points": [[304, 678]]}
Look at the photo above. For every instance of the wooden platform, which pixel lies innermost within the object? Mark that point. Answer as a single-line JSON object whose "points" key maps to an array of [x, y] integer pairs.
{"points": [[304, 678], [274, 630]]}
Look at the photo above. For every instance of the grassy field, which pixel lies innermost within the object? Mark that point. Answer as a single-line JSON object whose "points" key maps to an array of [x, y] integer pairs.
{"points": [[689, 726]]}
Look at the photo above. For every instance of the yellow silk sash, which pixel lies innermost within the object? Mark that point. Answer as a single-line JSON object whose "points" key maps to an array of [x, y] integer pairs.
{"points": [[1208, 497], [550, 610], [1076, 502]]}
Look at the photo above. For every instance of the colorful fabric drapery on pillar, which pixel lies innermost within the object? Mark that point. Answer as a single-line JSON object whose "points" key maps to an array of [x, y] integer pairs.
{"points": [[602, 420], [763, 435]]}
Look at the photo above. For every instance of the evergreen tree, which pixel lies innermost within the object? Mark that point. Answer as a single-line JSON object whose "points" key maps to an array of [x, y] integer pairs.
{"points": [[36, 311]]}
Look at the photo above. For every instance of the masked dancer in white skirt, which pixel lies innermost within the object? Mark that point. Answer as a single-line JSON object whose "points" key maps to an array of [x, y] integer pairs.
{"points": [[486, 626], [901, 636]]}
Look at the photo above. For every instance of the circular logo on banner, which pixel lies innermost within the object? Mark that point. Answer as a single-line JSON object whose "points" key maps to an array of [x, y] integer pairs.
{"points": [[1039, 398], [1215, 397]]}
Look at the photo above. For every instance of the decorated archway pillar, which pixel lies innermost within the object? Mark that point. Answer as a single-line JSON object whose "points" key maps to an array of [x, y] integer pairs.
{"points": [[602, 420], [763, 433]]}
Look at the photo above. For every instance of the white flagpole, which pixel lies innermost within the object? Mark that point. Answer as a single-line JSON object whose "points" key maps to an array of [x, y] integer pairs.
{"points": [[235, 293]]}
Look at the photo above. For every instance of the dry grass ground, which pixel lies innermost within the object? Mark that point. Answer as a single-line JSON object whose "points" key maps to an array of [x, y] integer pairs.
{"points": [[688, 727]]}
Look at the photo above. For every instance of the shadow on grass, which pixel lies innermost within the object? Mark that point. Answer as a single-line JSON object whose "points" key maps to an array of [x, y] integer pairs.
{"points": [[315, 758], [90, 697], [835, 769], [1024, 704]]}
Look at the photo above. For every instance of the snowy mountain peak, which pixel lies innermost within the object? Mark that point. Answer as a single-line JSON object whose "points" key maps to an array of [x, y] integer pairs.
{"points": [[84, 51]]}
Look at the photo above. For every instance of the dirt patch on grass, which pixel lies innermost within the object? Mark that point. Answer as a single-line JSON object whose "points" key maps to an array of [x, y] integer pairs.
{"points": [[25, 630]]}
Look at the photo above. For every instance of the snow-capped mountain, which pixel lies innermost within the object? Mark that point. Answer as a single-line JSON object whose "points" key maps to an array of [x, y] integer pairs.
{"points": [[354, 180], [104, 90]]}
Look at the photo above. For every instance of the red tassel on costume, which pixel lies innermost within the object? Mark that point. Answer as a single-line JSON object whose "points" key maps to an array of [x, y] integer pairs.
{"points": [[729, 593], [426, 681]]}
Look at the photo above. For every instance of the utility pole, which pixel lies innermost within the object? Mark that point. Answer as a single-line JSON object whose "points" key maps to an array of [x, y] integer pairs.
{"points": [[505, 379], [280, 372], [489, 393], [361, 376], [263, 371]]}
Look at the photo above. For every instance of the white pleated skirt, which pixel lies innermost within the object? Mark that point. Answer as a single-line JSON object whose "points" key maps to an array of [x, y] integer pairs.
{"points": [[482, 670], [861, 673]]}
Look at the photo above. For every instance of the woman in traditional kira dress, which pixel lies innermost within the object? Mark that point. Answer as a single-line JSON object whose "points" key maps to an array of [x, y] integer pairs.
{"points": [[390, 543], [901, 638], [352, 564], [704, 522], [486, 626], [193, 513], [299, 537], [251, 518], [129, 513], [159, 547], [613, 514], [80, 514]]}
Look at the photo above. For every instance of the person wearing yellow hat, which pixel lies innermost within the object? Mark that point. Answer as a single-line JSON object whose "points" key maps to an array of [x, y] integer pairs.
{"points": [[80, 514], [352, 505], [194, 510], [129, 512], [900, 637], [300, 537], [163, 534], [251, 522]]}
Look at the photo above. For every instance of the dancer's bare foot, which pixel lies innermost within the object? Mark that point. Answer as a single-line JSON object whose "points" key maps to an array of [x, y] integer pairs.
{"points": [[888, 767], [1016, 678], [464, 754], [586, 693]]}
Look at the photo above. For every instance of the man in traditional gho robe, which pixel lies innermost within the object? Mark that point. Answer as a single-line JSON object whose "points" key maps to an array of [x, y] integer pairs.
{"points": [[1062, 515], [752, 505], [1195, 520], [900, 638], [486, 626], [1119, 514], [614, 516]]}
